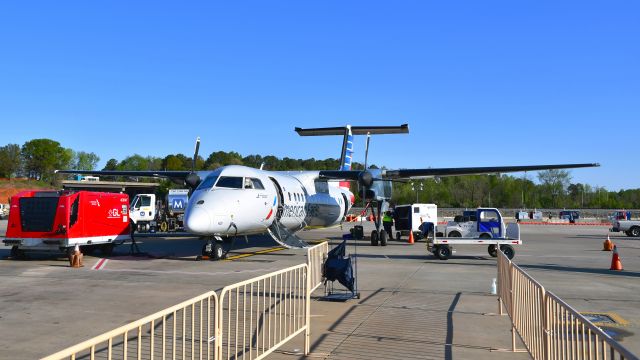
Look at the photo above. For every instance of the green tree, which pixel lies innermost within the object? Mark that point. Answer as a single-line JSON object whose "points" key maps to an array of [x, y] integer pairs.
{"points": [[42, 156], [85, 160], [10, 160], [112, 164]]}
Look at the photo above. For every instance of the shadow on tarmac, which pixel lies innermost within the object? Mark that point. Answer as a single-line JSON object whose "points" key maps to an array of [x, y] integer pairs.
{"points": [[358, 330]]}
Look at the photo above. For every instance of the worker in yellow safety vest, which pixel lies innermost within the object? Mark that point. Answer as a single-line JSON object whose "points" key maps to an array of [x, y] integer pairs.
{"points": [[387, 223]]}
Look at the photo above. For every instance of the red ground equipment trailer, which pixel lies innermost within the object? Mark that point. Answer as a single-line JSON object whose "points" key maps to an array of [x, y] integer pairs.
{"points": [[58, 220]]}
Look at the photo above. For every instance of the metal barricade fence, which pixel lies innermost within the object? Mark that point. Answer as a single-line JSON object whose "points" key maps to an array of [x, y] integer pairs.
{"points": [[527, 298], [261, 314], [316, 256], [183, 331], [572, 336], [549, 327], [504, 284]]}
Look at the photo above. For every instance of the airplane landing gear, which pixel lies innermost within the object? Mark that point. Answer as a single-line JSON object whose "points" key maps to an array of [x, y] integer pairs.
{"points": [[212, 249], [374, 238]]}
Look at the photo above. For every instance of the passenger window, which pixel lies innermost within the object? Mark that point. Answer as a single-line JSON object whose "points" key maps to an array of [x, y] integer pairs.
{"points": [[230, 182], [416, 210], [257, 184], [289, 196]]}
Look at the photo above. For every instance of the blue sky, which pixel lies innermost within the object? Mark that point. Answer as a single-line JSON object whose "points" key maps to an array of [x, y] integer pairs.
{"points": [[480, 83]]}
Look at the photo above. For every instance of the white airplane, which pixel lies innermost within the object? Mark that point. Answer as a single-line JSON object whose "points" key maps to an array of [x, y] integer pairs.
{"points": [[238, 200]]}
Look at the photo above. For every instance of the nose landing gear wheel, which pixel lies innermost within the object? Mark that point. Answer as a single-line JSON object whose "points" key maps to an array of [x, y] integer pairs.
{"points": [[212, 250]]}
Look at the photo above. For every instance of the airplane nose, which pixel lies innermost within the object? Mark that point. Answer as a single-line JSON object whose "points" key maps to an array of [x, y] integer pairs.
{"points": [[198, 221]]}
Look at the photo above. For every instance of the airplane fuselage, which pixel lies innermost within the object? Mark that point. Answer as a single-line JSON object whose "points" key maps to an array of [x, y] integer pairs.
{"points": [[238, 200]]}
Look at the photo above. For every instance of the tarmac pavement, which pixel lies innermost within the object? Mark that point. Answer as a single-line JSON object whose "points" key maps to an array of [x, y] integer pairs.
{"points": [[412, 305]]}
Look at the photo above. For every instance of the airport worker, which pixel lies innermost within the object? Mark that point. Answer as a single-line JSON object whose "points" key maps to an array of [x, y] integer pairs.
{"points": [[387, 223]]}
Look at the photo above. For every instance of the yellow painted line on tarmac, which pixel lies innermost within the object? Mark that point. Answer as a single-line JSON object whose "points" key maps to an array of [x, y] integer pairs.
{"points": [[270, 250], [265, 251]]}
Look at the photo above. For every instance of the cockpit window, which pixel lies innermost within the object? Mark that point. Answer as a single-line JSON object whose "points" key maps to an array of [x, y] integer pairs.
{"points": [[257, 184], [230, 182], [207, 183]]}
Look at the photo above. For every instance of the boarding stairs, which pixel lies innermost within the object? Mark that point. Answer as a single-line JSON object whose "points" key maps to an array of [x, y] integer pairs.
{"points": [[286, 237]]}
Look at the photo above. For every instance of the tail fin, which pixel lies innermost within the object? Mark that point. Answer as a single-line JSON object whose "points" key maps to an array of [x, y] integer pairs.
{"points": [[348, 132]]}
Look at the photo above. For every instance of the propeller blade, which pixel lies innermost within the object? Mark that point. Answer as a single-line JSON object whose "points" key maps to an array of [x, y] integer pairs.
{"points": [[195, 154], [366, 151]]}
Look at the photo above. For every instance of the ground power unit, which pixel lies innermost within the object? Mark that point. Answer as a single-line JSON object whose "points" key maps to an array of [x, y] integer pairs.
{"points": [[58, 220]]}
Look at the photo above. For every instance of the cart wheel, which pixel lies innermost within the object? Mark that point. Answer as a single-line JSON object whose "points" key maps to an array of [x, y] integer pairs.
{"points": [[218, 251], [493, 250], [383, 238], [398, 235], [17, 254], [508, 251], [374, 238], [443, 252]]}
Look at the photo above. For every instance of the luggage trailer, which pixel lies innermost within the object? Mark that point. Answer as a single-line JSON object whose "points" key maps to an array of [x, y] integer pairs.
{"points": [[55, 221], [486, 228]]}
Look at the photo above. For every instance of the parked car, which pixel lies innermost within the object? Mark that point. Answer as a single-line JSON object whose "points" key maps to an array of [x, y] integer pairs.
{"points": [[571, 215]]}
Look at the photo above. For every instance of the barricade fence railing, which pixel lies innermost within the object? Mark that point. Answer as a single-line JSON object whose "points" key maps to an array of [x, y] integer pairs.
{"points": [[185, 330], [316, 255], [259, 315], [249, 320], [549, 328]]}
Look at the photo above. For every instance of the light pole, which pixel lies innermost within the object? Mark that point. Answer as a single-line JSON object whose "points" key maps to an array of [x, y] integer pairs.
{"points": [[414, 188]]}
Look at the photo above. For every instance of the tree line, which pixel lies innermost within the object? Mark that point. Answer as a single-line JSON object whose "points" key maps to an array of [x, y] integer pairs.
{"points": [[36, 159]]}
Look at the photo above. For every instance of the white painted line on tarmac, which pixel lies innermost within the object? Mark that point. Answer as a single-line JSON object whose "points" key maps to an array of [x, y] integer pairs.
{"points": [[560, 256], [100, 264], [208, 273]]}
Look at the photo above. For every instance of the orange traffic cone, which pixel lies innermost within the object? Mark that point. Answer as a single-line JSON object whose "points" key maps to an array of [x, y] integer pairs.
{"points": [[608, 245], [616, 264], [411, 237], [76, 258]]}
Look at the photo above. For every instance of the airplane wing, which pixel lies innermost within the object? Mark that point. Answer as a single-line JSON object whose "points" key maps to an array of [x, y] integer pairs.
{"points": [[442, 172], [132, 173]]}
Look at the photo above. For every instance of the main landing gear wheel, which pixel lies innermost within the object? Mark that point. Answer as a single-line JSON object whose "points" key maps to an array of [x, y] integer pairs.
{"points": [[383, 238], [442, 252], [508, 251], [374, 238], [493, 250]]}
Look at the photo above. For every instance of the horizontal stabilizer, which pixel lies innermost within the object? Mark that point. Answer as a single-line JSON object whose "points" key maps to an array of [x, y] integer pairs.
{"points": [[355, 130]]}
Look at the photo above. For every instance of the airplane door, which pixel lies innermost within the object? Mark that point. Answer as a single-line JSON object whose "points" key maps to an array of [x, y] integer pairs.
{"points": [[280, 196], [344, 201]]}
